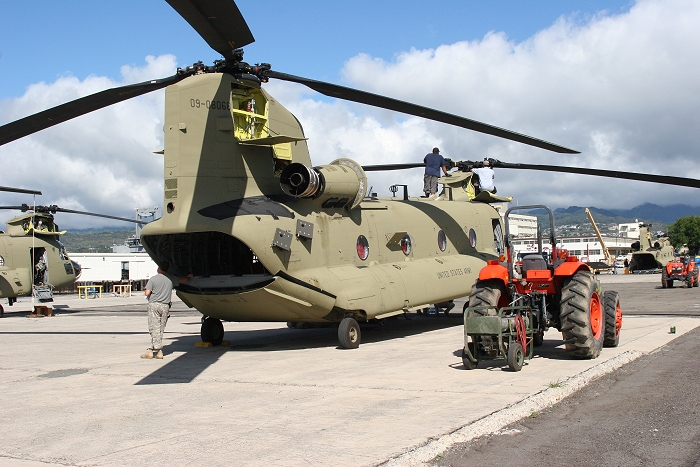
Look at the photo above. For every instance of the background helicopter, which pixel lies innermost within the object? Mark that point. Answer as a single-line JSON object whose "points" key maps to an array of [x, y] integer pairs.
{"points": [[650, 254], [271, 238], [33, 261]]}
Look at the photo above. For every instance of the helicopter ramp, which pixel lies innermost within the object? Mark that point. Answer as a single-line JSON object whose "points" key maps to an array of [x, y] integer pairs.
{"points": [[75, 392]]}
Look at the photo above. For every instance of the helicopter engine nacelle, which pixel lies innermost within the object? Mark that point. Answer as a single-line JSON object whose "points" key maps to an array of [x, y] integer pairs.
{"points": [[341, 183]]}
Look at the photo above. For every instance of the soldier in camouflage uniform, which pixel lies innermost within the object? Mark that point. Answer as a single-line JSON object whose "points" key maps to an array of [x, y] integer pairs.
{"points": [[158, 290]]}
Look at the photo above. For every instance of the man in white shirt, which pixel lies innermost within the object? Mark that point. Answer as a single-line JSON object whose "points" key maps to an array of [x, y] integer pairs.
{"points": [[486, 177]]}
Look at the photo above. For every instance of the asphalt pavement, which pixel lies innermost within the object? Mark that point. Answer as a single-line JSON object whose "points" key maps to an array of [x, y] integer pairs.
{"points": [[644, 414]]}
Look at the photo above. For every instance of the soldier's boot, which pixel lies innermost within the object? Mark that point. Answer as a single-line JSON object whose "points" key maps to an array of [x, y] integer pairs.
{"points": [[148, 354], [159, 354]]}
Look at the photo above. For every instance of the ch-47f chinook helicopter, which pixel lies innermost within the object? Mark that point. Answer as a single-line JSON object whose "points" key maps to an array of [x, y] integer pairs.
{"points": [[33, 261], [269, 237]]}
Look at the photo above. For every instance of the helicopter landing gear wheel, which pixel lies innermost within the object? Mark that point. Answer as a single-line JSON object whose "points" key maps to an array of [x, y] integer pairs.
{"points": [[613, 318], [516, 356], [349, 334], [582, 320], [212, 331]]}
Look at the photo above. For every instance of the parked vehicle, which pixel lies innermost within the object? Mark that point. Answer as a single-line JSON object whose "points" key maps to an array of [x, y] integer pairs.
{"points": [[680, 269]]}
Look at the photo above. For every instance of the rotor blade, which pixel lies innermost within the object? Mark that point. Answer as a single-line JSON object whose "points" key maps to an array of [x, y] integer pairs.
{"points": [[70, 211], [219, 22], [375, 168], [664, 179], [61, 113], [354, 95], [19, 190], [16, 208]]}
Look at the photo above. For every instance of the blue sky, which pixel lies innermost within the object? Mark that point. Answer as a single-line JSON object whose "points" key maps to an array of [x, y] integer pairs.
{"points": [[41, 40], [616, 80]]}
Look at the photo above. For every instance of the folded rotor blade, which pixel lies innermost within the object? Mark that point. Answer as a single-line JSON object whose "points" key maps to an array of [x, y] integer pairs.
{"points": [[19, 190], [354, 95], [61, 113], [219, 22], [663, 179], [70, 211], [376, 168]]}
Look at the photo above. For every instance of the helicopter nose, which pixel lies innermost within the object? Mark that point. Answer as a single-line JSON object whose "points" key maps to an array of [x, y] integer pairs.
{"points": [[77, 269]]}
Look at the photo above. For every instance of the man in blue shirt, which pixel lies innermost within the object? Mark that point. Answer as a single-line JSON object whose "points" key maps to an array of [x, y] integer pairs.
{"points": [[433, 163]]}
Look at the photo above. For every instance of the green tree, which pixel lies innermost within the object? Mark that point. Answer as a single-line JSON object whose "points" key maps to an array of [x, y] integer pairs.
{"points": [[686, 231]]}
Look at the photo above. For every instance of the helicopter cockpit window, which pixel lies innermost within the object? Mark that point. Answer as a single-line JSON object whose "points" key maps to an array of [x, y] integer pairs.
{"points": [[442, 241], [362, 247], [406, 245], [472, 238], [62, 252], [2, 261]]}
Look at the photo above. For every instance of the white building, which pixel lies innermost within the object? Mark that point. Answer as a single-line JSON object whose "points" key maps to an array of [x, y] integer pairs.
{"points": [[114, 267], [630, 230], [587, 248], [519, 225]]}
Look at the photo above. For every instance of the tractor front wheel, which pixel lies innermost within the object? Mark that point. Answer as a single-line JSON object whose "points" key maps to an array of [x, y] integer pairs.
{"points": [[664, 278], [582, 321], [613, 318]]}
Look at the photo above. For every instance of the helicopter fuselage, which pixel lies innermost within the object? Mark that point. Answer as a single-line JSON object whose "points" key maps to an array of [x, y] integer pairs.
{"points": [[33, 256], [259, 252]]}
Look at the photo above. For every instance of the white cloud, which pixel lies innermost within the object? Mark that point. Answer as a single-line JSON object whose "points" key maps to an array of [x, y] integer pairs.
{"points": [[622, 89], [101, 162]]}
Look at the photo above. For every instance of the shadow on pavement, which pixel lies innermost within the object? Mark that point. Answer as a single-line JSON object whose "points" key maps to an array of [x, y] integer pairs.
{"points": [[195, 360]]}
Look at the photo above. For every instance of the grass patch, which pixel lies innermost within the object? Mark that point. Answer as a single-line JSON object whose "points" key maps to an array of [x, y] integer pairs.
{"points": [[533, 415], [556, 384]]}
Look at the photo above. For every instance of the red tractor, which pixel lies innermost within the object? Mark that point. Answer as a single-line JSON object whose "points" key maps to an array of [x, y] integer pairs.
{"points": [[509, 309], [680, 269]]}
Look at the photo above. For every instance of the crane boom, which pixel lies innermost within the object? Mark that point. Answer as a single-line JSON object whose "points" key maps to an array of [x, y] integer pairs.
{"points": [[608, 259]]}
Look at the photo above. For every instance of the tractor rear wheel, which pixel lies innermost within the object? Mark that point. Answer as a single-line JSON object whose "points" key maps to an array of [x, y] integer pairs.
{"points": [[486, 293], [582, 322], [613, 318]]}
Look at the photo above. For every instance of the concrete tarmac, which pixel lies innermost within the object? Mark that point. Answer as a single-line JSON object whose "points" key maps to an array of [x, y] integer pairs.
{"points": [[73, 390]]}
